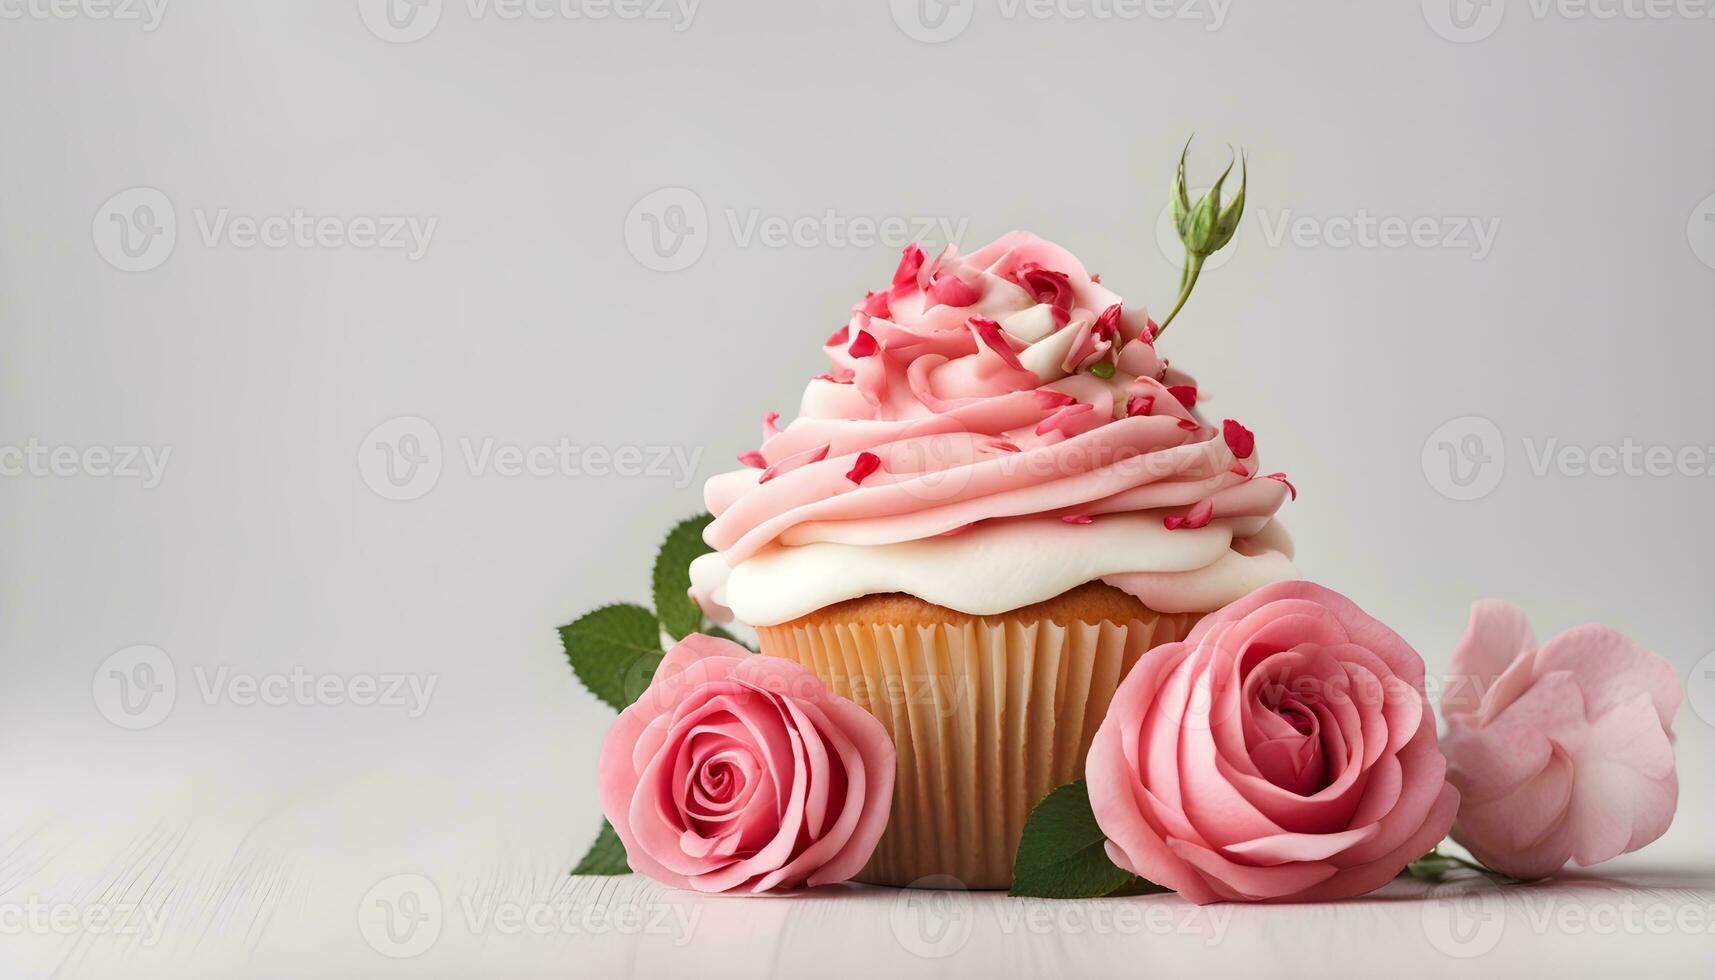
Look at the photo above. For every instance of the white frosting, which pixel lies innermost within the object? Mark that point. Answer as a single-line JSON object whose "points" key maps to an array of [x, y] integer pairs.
{"points": [[993, 568]]}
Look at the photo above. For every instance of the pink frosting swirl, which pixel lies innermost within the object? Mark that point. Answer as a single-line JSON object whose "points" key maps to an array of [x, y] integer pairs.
{"points": [[1002, 385]]}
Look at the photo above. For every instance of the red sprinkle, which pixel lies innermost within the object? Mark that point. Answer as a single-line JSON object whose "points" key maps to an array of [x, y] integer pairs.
{"points": [[863, 345], [1001, 445], [1096, 277], [1140, 405], [1189, 424], [1107, 326], [1077, 519], [753, 459], [1239, 439], [1150, 329], [770, 424], [838, 337], [989, 332], [1282, 478], [1199, 516], [1187, 395], [911, 260], [1239, 470], [866, 464], [1060, 419], [1049, 398]]}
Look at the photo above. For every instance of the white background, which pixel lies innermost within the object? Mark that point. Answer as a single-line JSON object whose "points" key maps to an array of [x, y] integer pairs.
{"points": [[538, 311]]}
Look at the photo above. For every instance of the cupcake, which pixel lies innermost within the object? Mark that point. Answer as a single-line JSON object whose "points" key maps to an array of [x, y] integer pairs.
{"points": [[997, 498]]}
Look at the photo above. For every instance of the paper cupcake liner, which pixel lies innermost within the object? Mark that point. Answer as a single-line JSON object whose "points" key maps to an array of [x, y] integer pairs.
{"points": [[987, 715]]}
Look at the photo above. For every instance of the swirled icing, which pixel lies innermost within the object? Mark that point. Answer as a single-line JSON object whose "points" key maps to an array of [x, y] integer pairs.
{"points": [[994, 430]]}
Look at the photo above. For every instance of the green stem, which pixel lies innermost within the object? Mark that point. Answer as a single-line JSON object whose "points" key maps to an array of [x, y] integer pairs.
{"points": [[1193, 269]]}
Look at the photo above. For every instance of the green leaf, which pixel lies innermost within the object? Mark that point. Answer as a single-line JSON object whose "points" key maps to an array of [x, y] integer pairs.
{"points": [[1062, 855], [606, 856], [614, 651], [679, 615]]}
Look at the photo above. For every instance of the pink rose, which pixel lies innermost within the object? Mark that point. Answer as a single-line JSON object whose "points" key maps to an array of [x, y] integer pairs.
{"points": [[738, 772], [1284, 750], [1563, 753]]}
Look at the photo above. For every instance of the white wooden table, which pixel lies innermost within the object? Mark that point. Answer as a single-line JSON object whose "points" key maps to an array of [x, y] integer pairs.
{"points": [[385, 877]]}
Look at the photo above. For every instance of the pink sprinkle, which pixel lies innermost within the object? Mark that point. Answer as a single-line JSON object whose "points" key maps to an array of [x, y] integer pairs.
{"points": [[1107, 325], [1199, 516], [1049, 398], [1077, 519], [910, 261], [1189, 425], [838, 337], [793, 462], [1096, 277], [951, 291], [1187, 394], [1239, 439], [863, 345], [1239, 470], [770, 424], [1150, 329], [1140, 405], [989, 333], [753, 459], [1282, 478], [866, 464], [1002, 446], [839, 376]]}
